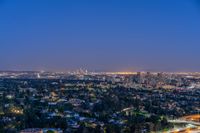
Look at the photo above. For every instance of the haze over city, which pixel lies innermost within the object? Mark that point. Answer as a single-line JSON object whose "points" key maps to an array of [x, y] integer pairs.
{"points": [[99, 66], [104, 35]]}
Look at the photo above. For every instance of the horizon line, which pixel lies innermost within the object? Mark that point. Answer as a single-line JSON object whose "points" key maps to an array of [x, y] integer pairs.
{"points": [[68, 71]]}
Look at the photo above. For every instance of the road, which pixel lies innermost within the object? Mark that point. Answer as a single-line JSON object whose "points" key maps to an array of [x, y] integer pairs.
{"points": [[192, 121]]}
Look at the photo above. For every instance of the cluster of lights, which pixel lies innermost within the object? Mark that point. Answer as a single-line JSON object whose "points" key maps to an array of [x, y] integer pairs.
{"points": [[121, 73], [17, 111]]}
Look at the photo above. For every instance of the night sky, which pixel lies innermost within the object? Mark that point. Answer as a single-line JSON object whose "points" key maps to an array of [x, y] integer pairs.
{"points": [[103, 35]]}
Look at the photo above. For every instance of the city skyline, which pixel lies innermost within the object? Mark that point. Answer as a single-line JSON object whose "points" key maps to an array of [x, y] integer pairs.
{"points": [[100, 35]]}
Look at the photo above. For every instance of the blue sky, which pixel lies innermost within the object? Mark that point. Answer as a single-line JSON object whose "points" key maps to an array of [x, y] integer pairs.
{"points": [[107, 35]]}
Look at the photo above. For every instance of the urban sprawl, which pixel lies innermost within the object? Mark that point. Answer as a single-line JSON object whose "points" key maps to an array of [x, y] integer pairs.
{"points": [[106, 102]]}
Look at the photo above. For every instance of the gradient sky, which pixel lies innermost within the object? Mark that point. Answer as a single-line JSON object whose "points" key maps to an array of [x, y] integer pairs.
{"points": [[107, 35]]}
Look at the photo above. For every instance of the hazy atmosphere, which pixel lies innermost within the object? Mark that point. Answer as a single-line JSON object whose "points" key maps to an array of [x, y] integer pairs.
{"points": [[99, 66], [100, 35]]}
